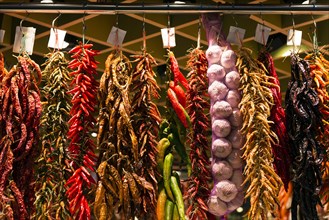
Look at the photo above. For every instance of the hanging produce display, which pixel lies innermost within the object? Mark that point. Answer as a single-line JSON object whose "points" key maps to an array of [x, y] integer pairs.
{"points": [[147, 119], [52, 164], [284, 197], [303, 120], [281, 149], [319, 72], [198, 107], [20, 116], [226, 164], [170, 204], [256, 103], [81, 147], [119, 186]]}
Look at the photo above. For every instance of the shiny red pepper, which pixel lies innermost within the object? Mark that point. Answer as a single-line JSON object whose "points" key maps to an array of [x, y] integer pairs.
{"points": [[178, 108], [178, 75], [180, 93]]}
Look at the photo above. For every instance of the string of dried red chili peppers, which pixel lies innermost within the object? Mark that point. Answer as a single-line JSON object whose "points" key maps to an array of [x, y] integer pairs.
{"points": [[147, 119], [52, 168], [198, 108], [81, 147], [20, 115]]}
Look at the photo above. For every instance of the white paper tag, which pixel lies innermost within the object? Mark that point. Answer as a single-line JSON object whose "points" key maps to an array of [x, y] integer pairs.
{"points": [[236, 35], [116, 36], [2, 34], [262, 33], [168, 34], [56, 39], [24, 40], [294, 37]]}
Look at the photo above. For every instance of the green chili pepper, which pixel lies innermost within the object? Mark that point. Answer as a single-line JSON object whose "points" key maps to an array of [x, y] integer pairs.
{"points": [[174, 185], [164, 129], [162, 146], [169, 210], [180, 148], [175, 215], [168, 161]]}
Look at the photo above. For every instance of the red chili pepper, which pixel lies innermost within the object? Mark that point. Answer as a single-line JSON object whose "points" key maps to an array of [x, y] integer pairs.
{"points": [[180, 93], [178, 75], [178, 108]]}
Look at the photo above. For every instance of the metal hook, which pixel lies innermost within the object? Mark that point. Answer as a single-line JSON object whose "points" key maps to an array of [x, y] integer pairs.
{"points": [[199, 32], [144, 31], [53, 23], [21, 22], [83, 27]]}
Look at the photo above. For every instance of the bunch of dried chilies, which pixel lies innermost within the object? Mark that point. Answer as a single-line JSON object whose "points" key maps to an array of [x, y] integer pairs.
{"points": [[52, 164], [81, 148], [198, 107], [118, 185], [20, 120]]}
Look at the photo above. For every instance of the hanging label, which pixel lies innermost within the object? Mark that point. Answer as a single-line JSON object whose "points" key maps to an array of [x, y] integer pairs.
{"points": [[262, 33], [24, 40], [236, 35], [2, 34], [56, 38], [294, 37], [168, 37], [116, 36]]}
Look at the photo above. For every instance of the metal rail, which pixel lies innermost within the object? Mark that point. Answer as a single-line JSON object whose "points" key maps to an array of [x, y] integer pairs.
{"points": [[99, 8]]}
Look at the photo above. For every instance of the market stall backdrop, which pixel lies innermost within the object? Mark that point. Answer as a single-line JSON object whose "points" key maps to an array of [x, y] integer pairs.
{"points": [[98, 27]]}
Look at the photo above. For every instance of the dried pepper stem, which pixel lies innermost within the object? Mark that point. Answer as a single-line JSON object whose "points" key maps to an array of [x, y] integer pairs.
{"points": [[198, 108], [52, 168], [256, 103]]}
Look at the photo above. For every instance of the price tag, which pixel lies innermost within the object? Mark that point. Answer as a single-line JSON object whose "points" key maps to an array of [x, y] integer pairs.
{"points": [[56, 39], [116, 36], [168, 37], [236, 35], [2, 34], [262, 33], [294, 37], [24, 40]]}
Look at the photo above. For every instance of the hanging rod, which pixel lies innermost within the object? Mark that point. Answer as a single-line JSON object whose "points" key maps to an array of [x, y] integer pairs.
{"points": [[99, 8]]}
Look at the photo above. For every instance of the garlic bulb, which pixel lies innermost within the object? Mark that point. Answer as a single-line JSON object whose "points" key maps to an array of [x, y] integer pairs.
{"points": [[221, 148], [232, 80], [236, 118], [215, 72], [228, 59], [235, 159], [221, 170], [233, 97], [221, 127], [216, 206], [237, 179], [226, 190], [236, 139], [221, 109], [217, 91], [213, 54]]}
